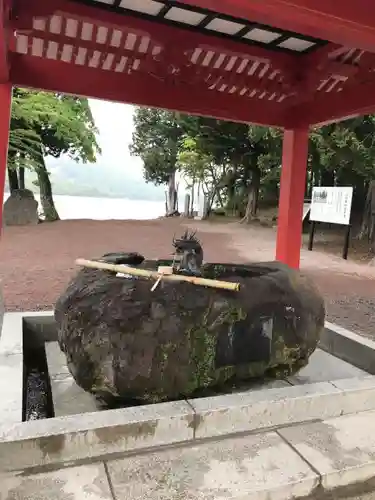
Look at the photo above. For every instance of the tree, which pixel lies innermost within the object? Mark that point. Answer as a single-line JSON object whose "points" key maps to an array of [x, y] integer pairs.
{"points": [[53, 124], [346, 151], [156, 140], [199, 168], [23, 141], [240, 153]]}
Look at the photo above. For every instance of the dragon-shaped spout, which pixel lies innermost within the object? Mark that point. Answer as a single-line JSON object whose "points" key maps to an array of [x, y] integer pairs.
{"points": [[189, 252]]}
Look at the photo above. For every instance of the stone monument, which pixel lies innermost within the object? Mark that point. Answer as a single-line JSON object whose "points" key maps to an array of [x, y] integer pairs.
{"points": [[125, 339], [21, 209]]}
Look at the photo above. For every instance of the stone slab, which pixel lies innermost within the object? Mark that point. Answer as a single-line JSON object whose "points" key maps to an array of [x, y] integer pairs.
{"points": [[354, 384], [324, 367], [69, 399], [246, 412], [42, 323], [341, 450], [11, 388], [56, 361], [11, 339], [77, 483], [348, 346], [261, 467], [261, 386], [89, 435]]}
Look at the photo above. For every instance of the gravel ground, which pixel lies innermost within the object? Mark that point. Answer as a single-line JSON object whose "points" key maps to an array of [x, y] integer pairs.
{"points": [[36, 263]]}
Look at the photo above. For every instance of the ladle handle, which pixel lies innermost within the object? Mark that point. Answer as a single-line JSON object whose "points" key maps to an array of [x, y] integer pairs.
{"points": [[134, 271]]}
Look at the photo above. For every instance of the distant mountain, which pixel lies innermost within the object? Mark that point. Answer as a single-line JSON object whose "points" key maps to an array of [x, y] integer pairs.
{"points": [[97, 180]]}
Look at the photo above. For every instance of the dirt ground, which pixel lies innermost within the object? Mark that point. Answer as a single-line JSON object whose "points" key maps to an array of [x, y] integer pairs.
{"points": [[36, 263]]}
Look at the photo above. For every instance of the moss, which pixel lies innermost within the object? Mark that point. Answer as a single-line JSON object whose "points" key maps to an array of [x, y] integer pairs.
{"points": [[203, 341], [251, 370], [203, 350], [235, 314], [283, 354]]}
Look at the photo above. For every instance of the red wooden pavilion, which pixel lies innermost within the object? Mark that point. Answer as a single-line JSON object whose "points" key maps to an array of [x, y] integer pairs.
{"points": [[284, 63]]}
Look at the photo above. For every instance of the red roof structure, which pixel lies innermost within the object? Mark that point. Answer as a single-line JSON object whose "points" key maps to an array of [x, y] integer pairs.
{"points": [[284, 63]]}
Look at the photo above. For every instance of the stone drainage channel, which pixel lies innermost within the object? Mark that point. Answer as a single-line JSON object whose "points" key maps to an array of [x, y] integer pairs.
{"points": [[312, 434]]}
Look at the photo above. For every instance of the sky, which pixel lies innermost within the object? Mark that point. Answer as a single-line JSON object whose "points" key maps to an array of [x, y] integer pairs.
{"points": [[115, 124]]}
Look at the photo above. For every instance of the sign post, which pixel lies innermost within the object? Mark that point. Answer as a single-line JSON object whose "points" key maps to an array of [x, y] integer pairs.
{"points": [[331, 205]]}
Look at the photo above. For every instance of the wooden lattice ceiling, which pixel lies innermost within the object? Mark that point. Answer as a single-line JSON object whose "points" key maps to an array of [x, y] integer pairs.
{"points": [[175, 55]]}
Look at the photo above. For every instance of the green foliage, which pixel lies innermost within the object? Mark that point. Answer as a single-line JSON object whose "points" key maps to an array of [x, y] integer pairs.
{"points": [[156, 140], [60, 124], [45, 124], [344, 146], [195, 165]]}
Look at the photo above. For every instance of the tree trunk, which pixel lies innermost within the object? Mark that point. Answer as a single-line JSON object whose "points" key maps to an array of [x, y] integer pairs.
{"points": [[172, 194], [12, 179], [312, 180], [231, 205], [327, 178], [216, 186], [252, 198], [21, 177], [216, 193], [368, 219], [46, 198], [191, 210]]}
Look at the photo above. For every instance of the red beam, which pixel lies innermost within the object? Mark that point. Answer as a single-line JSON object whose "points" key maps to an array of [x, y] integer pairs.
{"points": [[86, 44], [317, 66], [89, 45], [329, 107], [348, 22], [321, 55], [170, 56], [5, 110], [143, 90], [159, 32], [242, 80], [4, 40], [308, 82]]}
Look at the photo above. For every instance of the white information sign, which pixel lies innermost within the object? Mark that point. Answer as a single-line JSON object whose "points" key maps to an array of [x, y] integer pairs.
{"points": [[331, 204]]}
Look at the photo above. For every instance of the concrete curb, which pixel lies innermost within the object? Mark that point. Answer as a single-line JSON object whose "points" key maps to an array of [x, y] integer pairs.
{"points": [[348, 346], [272, 408], [92, 435]]}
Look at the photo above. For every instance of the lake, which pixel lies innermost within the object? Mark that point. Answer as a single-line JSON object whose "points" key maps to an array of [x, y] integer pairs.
{"points": [[77, 207]]}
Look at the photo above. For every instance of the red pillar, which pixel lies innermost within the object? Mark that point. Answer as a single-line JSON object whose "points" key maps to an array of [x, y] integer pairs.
{"points": [[292, 193], [5, 111]]}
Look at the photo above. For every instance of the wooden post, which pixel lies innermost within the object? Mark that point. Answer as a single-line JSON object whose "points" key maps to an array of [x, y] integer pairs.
{"points": [[5, 111], [292, 193], [346, 243]]}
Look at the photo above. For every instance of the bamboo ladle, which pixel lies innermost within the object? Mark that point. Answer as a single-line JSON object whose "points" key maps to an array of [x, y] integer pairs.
{"points": [[134, 271]]}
